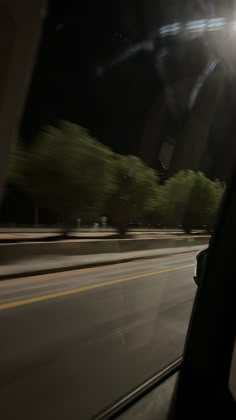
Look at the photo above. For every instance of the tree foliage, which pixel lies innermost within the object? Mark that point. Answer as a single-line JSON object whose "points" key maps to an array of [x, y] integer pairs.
{"points": [[190, 199], [69, 172], [66, 170], [134, 192]]}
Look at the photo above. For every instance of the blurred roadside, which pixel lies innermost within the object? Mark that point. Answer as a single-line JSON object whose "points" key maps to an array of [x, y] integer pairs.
{"points": [[34, 251], [11, 234], [56, 263]]}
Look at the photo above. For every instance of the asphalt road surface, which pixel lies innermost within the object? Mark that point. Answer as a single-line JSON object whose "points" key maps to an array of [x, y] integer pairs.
{"points": [[73, 343]]}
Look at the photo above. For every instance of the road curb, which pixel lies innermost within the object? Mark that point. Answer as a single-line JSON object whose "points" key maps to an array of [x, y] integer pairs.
{"points": [[10, 253], [74, 267]]}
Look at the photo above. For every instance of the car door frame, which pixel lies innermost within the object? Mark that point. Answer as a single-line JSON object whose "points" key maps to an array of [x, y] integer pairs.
{"points": [[204, 377]]}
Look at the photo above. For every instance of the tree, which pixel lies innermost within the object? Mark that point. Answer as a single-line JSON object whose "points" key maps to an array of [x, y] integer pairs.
{"points": [[214, 203], [66, 170], [190, 199], [202, 203], [173, 197], [135, 191]]}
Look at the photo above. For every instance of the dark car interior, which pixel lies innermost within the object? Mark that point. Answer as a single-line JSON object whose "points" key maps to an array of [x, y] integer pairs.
{"points": [[155, 80]]}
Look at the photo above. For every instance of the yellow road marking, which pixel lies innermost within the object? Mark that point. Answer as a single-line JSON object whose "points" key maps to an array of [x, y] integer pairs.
{"points": [[62, 273], [82, 289]]}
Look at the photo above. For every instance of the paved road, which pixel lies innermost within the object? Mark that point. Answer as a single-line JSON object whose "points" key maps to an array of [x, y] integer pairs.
{"points": [[72, 343]]}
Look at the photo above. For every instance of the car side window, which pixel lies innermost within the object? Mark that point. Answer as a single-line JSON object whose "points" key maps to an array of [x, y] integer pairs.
{"points": [[120, 163]]}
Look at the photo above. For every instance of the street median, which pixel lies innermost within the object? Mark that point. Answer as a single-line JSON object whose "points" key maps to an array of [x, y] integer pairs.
{"points": [[31, 250]]}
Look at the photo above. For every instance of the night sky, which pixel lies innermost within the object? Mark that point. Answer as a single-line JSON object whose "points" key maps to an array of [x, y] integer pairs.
{"points": [[78, 76], [75, 79], [97, 67]]}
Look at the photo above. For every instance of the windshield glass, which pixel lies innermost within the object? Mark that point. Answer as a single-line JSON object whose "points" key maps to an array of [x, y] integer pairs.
{"points": [[118, 169]]}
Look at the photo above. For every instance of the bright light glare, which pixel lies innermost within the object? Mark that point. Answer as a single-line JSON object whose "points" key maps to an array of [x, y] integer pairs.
{"points": [[194, 26]]}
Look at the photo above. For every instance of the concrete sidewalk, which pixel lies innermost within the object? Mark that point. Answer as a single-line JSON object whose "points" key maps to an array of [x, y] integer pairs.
{"points": [[54, 264]]}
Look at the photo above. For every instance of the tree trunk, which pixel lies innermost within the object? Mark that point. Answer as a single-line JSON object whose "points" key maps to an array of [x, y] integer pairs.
{"points": [[36, 216], [187, 230], [122, 230], [66, 229]]}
